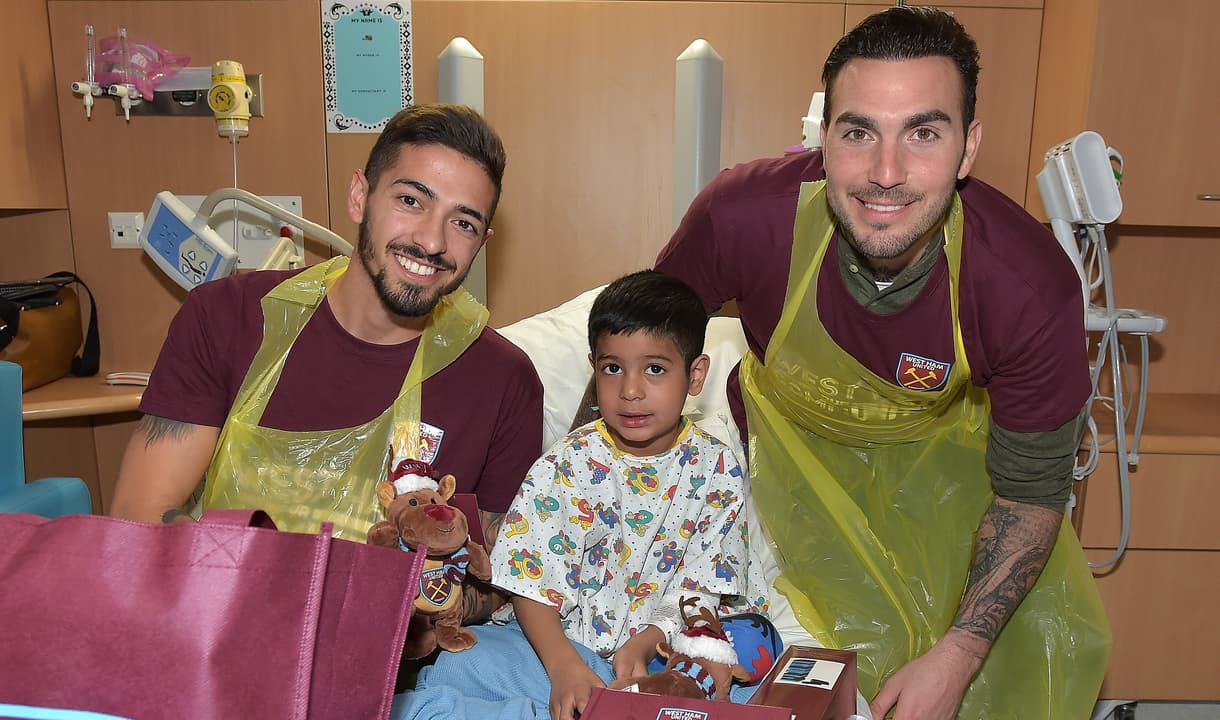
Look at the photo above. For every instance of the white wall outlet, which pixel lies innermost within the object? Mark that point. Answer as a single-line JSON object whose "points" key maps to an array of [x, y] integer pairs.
{"points": [[256, 232], [125, 229]]}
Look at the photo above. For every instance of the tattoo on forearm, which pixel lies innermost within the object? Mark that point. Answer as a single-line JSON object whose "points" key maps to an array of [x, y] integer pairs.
{"points": [[158, 428], [1014, 541], [491, 527], [479, 601]]}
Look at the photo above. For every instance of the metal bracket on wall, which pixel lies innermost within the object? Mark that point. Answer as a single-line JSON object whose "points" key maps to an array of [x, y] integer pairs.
{"points": [[186, 95]]}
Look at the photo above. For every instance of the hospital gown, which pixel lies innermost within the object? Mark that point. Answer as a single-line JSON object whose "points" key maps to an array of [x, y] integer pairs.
{"points": [[613, 541]]}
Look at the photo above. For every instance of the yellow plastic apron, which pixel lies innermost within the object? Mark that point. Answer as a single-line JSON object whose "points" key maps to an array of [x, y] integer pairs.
{"points": [[873, 494], [306, 478]]}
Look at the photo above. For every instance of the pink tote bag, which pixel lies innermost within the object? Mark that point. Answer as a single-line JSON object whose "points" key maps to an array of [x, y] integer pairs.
{"points": [[226, 618]]}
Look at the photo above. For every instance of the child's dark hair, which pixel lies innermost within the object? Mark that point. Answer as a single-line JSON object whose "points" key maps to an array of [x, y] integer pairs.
{"points": [[654, 303]]}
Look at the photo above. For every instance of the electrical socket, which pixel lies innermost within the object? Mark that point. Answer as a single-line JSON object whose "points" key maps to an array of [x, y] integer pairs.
{"points": [[125, 229]]}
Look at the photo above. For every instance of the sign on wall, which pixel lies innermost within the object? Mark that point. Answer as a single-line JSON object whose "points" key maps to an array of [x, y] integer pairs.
{"points": [[366, 61]]}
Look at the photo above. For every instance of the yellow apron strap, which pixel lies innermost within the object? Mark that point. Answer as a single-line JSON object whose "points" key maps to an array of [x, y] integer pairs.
{"points": [[306, 478], [453, 326]]}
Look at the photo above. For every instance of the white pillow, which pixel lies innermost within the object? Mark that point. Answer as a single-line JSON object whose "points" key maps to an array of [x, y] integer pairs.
{"points": [[557, 341]]}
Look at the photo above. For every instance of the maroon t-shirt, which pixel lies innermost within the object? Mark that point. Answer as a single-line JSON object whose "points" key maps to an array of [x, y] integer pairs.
{"points": [[1021, 313], [486, 406]]}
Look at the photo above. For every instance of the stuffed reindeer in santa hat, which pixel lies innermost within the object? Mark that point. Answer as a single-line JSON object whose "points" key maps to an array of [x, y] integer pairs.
{"points": [[700, 663], [418, 516]]}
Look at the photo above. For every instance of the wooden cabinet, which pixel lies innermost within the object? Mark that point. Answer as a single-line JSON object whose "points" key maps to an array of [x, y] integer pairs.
{"points": [[1145, 76], [1161, 596], [1156, 98], [30, 151]]}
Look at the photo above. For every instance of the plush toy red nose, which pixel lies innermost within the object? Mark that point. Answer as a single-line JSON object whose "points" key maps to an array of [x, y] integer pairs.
{"points": [[440, 513]]}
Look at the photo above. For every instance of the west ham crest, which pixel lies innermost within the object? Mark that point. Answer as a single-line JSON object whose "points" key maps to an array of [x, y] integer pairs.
{"points": [[921, 373]]}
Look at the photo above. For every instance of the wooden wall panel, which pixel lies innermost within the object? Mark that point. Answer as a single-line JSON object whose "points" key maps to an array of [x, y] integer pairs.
{"points": [[583, 95], [1008, 41], [30, 150], [1161, 607], [1173, 501], [1154, 98], [1167, 271], [114, 165], [64, 448], [954, 4], [34, 244], [1065, 72]]}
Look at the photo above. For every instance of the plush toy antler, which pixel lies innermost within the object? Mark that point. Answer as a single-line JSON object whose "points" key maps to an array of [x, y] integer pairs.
{"points": [[419, 515], [701, 662]]}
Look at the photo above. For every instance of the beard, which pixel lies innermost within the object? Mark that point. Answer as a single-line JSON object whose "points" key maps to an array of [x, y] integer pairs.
{"points": [[407, 300], [881, 242]]}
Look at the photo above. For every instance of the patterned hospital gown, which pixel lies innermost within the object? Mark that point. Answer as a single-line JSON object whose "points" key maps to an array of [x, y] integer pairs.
{"points": [[612, 541]]}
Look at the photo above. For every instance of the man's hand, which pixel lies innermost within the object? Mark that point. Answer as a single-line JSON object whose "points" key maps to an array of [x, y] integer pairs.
{"points": [[931, 686], [571, 687], [1013, 543], [632, 658]]}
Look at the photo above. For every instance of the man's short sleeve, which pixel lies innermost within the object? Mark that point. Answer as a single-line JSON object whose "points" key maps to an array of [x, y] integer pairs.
{"points": [[192, 380], [516, 441]]}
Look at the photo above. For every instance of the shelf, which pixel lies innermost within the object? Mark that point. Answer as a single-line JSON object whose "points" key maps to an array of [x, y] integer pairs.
{"points": [[77, 397], [1174, 424]]}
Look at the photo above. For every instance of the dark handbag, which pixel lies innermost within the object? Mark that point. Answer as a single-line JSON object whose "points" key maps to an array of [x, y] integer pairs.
{"points": [[225, 618], [40, 329]]}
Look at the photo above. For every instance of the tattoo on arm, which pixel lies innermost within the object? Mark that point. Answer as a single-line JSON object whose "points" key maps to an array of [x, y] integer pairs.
{"points": [[1013, 543], [491, 527], [158, 428], [479, 601]]}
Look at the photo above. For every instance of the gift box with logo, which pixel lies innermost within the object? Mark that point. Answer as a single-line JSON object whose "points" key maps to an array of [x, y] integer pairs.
{"points": [[623, 705], [817, 683]]}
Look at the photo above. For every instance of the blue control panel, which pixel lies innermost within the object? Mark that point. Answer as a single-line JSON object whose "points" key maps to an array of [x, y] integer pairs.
{"points": [[182, 244]]}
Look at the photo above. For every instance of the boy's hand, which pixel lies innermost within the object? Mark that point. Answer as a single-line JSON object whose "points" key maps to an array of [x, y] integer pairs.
{"points": [[632, 658], [570, 690]]}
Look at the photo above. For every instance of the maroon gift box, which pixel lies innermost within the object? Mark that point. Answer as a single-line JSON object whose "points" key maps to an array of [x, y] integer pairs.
{"points": [[622, 705], [817, 683]]}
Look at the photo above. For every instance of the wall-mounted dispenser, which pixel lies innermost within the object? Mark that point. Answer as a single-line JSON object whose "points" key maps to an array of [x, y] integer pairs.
{"points": [[148, 80]]}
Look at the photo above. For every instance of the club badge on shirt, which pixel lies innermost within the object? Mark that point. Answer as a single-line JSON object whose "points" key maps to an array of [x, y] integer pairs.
{"points": [[920, 373], [429, 447]]}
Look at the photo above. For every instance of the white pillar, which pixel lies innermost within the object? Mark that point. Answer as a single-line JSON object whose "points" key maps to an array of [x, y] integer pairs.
{"points": [[698, 97], [459, 80]]}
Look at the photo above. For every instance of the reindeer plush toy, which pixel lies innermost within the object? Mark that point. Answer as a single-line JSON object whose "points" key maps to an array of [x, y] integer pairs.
{"points": [[418, 516], [701, 662]]}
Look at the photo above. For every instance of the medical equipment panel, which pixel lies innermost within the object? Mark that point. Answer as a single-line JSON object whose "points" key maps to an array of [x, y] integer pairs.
{"points": [[182, 244]]}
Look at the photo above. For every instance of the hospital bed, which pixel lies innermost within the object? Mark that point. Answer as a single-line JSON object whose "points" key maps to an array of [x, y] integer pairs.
{"points": [[557, 343]]}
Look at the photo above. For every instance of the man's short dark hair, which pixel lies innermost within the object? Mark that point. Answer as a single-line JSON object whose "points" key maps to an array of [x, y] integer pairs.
{"points": [[908, 33], [456, 127], [654, 303]]}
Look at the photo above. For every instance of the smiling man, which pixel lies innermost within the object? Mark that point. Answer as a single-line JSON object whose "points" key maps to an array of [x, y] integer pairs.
{"points": [[292, 391], [916, 371]]}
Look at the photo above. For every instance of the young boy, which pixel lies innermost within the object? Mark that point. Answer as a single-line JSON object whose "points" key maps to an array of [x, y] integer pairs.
{"points": [[610, 528], [629, 513]]}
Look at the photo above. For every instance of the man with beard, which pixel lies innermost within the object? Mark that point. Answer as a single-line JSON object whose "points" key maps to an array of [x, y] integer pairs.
{"points": [[916, 373], [294, 391]]}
